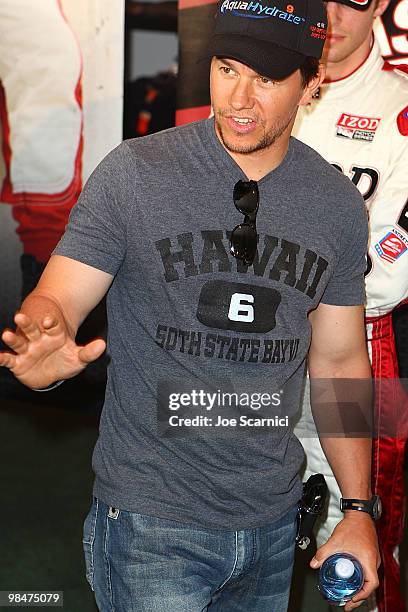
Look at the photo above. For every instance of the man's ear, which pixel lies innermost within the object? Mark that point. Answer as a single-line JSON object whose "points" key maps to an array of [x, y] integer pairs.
{"points": [[381, 7], [313, 86]]}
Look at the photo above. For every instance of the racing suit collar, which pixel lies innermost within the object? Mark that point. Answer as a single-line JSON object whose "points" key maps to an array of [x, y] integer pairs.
{"points": [[363, 74]]}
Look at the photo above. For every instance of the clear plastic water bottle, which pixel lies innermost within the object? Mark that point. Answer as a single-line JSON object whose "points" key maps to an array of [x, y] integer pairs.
{"points": [[341, 576]]}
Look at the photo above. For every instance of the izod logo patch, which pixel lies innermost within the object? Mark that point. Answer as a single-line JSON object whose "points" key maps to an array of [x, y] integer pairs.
{"points": [[355, 127]]}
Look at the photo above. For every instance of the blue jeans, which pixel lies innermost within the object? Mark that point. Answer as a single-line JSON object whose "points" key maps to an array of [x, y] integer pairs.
{"points": [[138, 563]]}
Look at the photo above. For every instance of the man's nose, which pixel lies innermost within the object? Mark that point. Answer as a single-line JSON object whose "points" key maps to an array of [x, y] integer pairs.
{"points": [[242, 95], [333, 12]]}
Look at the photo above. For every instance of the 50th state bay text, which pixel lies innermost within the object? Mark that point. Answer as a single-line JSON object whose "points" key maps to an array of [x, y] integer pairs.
{"points": [[231, 348]]}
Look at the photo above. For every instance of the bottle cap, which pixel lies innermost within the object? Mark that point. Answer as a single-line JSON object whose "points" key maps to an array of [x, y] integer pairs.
{"points": [[344, 568]]}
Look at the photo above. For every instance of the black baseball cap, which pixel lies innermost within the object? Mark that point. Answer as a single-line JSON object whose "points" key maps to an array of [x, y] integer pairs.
{"points": [[273, 37], [359, 5]]}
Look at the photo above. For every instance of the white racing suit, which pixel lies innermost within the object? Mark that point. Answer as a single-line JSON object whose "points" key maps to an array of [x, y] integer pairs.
{"points": [[41, 116], [360, 125]]}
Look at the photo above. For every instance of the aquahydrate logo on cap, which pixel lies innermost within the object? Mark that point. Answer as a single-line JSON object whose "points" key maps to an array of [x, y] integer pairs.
{"points": [[257, 10]]}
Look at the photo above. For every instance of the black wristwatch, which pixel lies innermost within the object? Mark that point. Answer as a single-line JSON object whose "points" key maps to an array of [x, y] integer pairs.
{"points": [[371, 506]]}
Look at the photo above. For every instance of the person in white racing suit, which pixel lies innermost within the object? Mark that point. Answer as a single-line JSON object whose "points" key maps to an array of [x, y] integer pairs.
{"points": [[358, 121]]}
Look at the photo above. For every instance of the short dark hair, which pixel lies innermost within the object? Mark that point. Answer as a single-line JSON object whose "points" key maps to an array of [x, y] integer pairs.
{"points": [[309, 69]]}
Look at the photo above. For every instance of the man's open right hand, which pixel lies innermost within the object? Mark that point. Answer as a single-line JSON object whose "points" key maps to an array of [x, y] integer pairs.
{"points": [[44, 351]]}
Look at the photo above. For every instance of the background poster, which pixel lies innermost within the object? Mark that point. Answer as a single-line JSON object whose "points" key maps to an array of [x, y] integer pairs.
{"points": [[61, 82], [195, 17]]}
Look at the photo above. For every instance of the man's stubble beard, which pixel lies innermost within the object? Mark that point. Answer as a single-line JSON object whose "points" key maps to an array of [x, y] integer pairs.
{"points": [[268, 139]]}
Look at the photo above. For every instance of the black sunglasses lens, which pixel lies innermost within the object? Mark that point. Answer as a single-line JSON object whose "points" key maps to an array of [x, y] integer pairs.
{"points": [[243, 242], [246, 197]]}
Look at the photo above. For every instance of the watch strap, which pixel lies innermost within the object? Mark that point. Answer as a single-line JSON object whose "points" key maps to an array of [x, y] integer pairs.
{"points": [[364, 505], [370, 506]]}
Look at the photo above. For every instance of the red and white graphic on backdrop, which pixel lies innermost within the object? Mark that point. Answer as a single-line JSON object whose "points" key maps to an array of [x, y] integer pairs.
{"points": [[392, 32]]}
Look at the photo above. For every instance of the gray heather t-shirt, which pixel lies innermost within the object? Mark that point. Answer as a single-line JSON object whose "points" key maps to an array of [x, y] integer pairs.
{"points": [[184, 314]]}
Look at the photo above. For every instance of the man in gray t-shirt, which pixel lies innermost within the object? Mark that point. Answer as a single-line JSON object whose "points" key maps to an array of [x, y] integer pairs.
{"points": [[230, 251]]}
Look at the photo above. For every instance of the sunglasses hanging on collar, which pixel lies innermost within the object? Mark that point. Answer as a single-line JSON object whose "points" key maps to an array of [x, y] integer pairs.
{"points": [[244, 237]]}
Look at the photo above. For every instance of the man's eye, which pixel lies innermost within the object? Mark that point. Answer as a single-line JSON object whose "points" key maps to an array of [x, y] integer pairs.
{"points": [[226, 69], [265, 80]]}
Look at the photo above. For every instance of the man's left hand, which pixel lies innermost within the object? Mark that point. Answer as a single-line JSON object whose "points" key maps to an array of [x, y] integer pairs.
{"points": [[355, 534]]}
